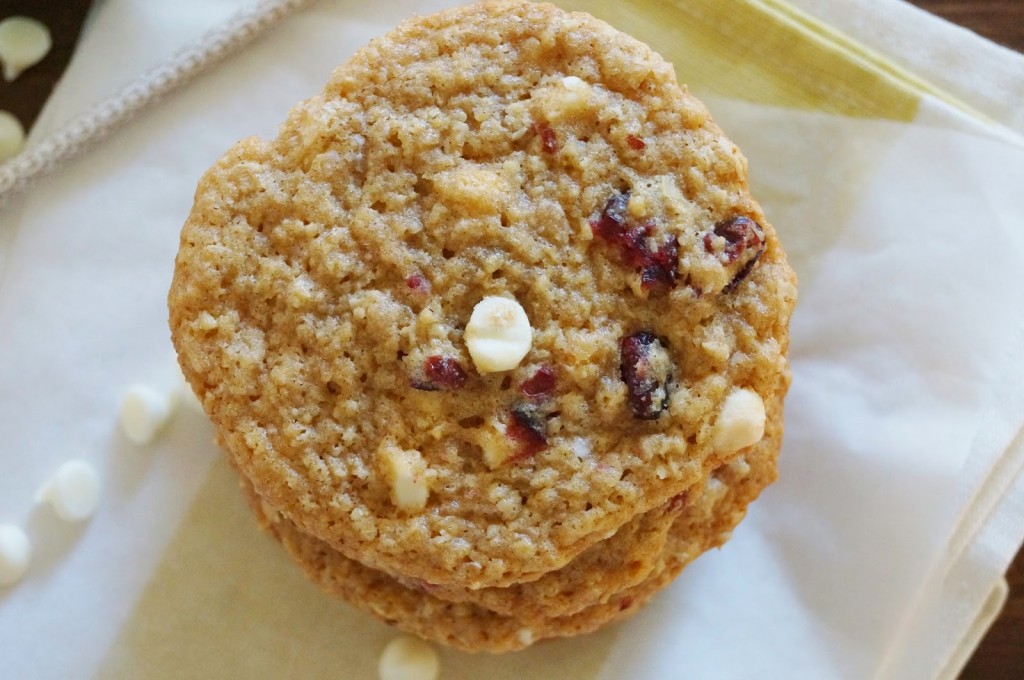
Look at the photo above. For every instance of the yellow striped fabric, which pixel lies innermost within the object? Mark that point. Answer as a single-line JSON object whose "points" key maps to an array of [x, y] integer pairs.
{"points": [[768, 52]]}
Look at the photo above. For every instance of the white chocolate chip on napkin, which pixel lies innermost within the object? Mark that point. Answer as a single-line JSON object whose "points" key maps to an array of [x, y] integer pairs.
{"points": [[73, 491], [23, 43]]}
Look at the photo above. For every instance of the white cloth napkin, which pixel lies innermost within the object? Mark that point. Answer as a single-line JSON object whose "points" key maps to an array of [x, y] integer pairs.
{"points": [[982, 74], [897, 476]]}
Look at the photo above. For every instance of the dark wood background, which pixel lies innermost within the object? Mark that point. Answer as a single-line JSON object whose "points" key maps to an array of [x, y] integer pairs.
{"points": [[1001, 655]]}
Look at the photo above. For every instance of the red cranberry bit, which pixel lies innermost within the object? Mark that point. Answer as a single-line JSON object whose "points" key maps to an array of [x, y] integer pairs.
{"points": [[635, 142], [740, 233], [548, 139], [612, 221], [445, 372], [541, 384], [647, 371], [661, 268], [528, 428], [442, 373], [744, 241], [418, 283], [656, 267], [625, 603]]}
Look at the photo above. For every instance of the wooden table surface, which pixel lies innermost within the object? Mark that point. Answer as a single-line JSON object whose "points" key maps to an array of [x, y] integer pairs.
{"points": [[1001, 655]]}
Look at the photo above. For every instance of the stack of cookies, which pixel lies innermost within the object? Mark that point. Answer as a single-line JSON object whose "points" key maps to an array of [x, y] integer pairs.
{"points": [[493, 332]]}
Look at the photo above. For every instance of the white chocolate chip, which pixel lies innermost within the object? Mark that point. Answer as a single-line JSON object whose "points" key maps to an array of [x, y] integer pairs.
{"points": [[581, 448], [498, 334], [408, 658], [206, 321], [572, 96], [525, 636], [144, 411], [740, 466], [15, 554], [575, 84], [74, 491], [407, 473], [23, 43], [740, 423], [12, 136]]}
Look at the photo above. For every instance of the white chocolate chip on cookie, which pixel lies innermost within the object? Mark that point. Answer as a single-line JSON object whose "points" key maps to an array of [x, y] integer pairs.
{"points": [[407, 473], [408, 658], [498, 334], [573, 95], [73, 491], [740, 423]]}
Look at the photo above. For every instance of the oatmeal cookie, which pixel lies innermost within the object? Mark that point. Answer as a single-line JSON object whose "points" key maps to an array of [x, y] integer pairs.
{"points": [[702, 525], [325, 287]]}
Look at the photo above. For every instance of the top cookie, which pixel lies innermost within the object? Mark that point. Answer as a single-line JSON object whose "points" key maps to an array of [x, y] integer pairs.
{"points": [[326, 278]]}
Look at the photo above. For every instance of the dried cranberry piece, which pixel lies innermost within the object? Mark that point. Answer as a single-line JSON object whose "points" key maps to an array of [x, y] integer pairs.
{"points": [[633, 242], [661, 267], [656, 267], [548, 138], [541, 384], [625, 603], [744, 242], [418, 283], [441, 373], [445, 372], [740, 233], [528, 428], [612, 221], [635, 142], [647, 371]]}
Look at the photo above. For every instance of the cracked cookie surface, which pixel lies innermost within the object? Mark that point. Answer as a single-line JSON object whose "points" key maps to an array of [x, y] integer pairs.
{"points": [[325, 279]]}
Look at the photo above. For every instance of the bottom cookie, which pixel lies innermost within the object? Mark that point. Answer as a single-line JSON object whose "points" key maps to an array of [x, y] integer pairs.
{"points": [[700, 526]]}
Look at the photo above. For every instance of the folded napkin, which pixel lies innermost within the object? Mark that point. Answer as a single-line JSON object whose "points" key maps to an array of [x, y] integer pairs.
{"points": [[899, 498]]}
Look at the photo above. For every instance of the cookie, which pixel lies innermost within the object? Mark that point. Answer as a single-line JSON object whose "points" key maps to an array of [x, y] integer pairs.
{"points": [[333, 301], [619, 562], [605, 568], [701, 526]]}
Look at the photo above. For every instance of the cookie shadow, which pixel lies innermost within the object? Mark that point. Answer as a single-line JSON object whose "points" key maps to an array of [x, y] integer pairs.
{"points": [[228, 594], [52, 539]]}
